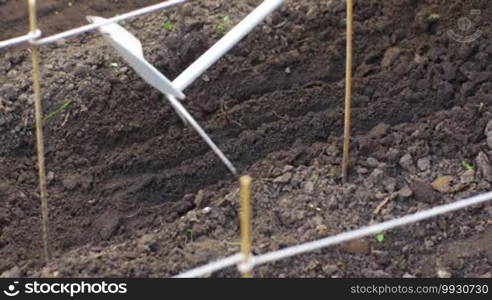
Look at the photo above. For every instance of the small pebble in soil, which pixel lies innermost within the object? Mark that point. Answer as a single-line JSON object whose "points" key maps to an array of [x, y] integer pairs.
{"points": [[201, 200], [147, 242], [488, 133], [361, 170], [424, 192], [329, 270], [283, 178], [393, 154], [15, 272], [375, 177], [406, 161], [389, 184], [405, 192], [332, 150], [309, 187], [467, 177], [372, 162], [424, 164], [443, 273], [483, 166], [287, 168], [50, 176], [378, 131]]}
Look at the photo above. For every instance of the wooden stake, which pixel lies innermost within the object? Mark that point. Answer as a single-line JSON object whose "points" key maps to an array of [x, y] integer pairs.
{"points": [[245, 183], [348, 94], [36, 75]]}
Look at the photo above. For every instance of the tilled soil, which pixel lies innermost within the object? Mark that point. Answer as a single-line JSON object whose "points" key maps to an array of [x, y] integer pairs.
{"points": [[135, 193], [57, 15]]}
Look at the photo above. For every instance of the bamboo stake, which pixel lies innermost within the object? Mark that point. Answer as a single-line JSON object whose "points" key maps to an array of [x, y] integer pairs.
{"points": [[348, 94], [245, 183], [39, 130]]}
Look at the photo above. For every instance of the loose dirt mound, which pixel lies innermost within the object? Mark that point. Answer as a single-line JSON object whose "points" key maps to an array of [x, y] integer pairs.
{"points": [[128, 183]]}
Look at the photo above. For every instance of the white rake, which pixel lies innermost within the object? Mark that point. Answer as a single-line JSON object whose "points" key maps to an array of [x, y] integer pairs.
{"points": [[130, 48]]}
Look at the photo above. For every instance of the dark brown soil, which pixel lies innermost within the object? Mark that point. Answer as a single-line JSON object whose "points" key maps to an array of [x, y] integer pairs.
{"points": [[59, 15], [129, 183]]}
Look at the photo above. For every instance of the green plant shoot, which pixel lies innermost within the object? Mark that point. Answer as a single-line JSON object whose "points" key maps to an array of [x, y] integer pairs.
{"points": [[466, 165], [169, 26], [380, 237], [59, 110]]}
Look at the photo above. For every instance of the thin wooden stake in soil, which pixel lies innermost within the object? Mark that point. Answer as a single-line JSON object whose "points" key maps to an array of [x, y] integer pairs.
{"points": [[245, 183], [348, 93], [39, 129]]}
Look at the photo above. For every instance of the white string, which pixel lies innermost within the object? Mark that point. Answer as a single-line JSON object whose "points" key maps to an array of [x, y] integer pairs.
{"points": [[76, 31], [190, 120], [370, 230], [236, 34], [212, 267], [21, 39], [275, 255], [362, 232]]}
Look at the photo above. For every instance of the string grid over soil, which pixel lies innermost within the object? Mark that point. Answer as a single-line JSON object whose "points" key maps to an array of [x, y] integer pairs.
{"points": [[129, 184]]}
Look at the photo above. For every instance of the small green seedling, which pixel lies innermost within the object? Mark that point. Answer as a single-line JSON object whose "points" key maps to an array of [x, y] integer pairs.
{"points": [[380, 237], [57, 111], [467, 166], [224, 25], [169, 26]]}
